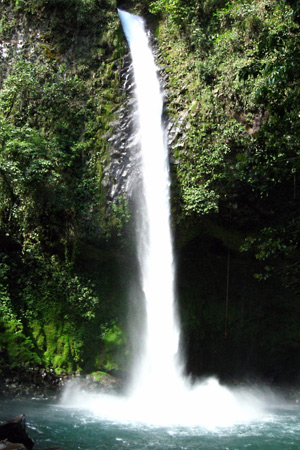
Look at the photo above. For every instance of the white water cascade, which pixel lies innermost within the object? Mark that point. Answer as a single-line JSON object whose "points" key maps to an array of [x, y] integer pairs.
{"points": [[160, 394], [158, 368]]}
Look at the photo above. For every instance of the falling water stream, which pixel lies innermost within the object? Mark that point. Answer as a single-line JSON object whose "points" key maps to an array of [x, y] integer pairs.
{"points": [[158, 368], [162, 409]]}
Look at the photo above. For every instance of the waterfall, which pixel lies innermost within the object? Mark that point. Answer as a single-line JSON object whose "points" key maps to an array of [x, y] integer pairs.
{"points": [[160, 394], [158, 367]]}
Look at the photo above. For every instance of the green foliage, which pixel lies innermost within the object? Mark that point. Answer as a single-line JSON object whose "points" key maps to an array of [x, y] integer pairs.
{"points": [[115, 351], [80, 10], [233, 79], [236, 99], [98, 375], [45, 322], [17, 348], [175, 9], [59, 91], [42, 119]]}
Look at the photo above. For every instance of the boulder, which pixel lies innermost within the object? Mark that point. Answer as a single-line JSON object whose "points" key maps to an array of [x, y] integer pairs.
{"points": [[14, 431]]}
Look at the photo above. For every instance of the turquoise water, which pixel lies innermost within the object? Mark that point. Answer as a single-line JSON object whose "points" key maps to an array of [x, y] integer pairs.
{"points": [[50, 424]]}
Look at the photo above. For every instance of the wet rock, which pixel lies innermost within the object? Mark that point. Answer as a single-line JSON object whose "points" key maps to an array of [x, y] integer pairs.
{"points": [[10, 445], [13, 431], [97, 382], [119, 172], [100, 381], [24, 382]]}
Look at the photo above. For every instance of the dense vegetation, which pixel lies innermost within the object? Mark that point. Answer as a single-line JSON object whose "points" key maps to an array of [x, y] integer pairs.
{"points": [[232, 71], [237, 172], [60, 87]]}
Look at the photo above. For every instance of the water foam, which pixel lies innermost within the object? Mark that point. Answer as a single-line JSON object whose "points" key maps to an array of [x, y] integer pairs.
{"points": [[207, 404]]}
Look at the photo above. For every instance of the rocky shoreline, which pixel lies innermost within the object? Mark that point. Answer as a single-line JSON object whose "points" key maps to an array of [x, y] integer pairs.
{"points": [[37, 382], [44, 384], [41, 383]]}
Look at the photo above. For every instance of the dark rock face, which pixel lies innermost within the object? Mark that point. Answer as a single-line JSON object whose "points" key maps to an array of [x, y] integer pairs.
{"points": [[120, 172], [14, 430], [20, 382]]}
